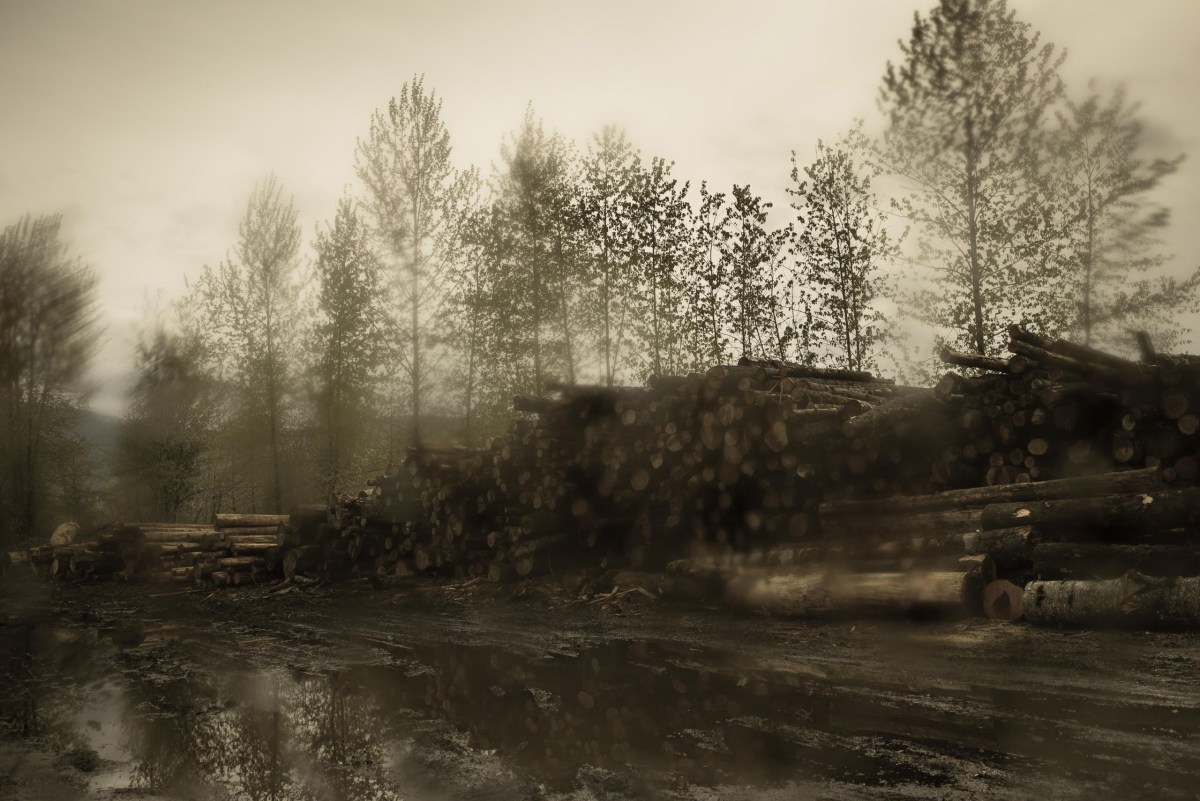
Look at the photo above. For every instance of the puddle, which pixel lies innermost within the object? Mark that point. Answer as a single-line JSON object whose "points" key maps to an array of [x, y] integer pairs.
{"points": [[186, 715]]}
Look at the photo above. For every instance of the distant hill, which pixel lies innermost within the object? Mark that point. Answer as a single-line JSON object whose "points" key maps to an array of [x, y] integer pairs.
{"points": [[102, 431]]}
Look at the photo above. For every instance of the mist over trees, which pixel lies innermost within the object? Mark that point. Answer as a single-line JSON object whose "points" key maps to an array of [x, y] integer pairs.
{"points": [[48, 329], [843, 243], [1110, 260], [966, 108], [436, 292]]}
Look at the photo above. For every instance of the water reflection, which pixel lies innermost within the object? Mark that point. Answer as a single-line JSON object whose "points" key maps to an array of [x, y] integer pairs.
{"points": [[184, 719]]}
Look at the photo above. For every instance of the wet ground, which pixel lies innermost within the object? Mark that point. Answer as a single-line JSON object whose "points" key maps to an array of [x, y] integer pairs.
{"points": [[445, 691]]}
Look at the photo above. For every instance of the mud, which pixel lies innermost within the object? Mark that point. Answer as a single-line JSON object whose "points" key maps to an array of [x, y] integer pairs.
{"points": [[446, 691]]}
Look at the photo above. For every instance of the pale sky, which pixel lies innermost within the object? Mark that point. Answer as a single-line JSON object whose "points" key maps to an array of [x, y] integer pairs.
{"points": [[147, 123]]}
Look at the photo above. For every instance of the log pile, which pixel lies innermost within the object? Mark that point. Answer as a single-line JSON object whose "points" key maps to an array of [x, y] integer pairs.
{"points": [[635, 476], [1078, 471], [793, 488], [234, 550]]}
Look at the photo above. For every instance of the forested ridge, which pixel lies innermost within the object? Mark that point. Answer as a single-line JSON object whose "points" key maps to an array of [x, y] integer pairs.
{"points": [[313, 353]]}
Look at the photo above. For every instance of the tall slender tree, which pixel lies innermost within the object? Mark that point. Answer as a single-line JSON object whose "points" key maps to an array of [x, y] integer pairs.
{"points": [[751, 255], [708, 281], [48, 330], [251, 298], [967, 106], [166, 436], [473, 325], [610, 171], [415, 198], [533, 198], [841, 245], [344, 342], [1110, 258], [661, 219]]}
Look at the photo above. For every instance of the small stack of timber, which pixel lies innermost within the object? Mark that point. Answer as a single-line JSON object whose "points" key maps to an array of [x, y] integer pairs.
{"points": [[79, 561], [248, 552], [237, 549], [161, 552]]}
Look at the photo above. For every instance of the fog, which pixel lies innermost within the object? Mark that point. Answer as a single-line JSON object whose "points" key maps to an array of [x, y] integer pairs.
{"points": [[147, 125]]}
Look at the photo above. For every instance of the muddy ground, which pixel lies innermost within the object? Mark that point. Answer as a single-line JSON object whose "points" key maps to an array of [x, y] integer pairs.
{"points": [[446, 691]]}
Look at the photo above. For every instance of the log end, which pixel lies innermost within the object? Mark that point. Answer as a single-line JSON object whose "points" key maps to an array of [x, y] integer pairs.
{"points": [[1003, 600]]}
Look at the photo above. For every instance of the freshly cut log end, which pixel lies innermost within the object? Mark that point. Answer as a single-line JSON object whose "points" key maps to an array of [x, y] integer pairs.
{"points": [[1003, 600]]}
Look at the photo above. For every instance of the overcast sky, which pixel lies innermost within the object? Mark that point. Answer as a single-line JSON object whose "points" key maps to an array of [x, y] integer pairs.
{"points": [[147, 123]]}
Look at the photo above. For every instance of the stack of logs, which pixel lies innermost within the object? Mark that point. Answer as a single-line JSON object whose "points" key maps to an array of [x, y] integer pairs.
{"points": [[795, 488], [236, 549], [1072, 500], [612, 476], [860, 493]]}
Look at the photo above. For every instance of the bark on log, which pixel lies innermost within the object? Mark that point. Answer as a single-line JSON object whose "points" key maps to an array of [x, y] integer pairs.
{"points": [[1105, 364], [1063, 560], [245, 520], [976, 361], [923, 524], [888, 415], [1144, 480], [1008, 547], [1131, 600], [1155, 510]]}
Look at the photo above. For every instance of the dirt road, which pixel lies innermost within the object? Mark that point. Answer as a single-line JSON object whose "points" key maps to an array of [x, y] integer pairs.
{"points": [[449, 691]]}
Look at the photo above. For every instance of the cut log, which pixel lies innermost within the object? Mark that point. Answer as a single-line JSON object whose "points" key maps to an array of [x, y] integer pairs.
{"points": [[1131, 600], [1008, 547], [1003, 600], [922, 524], [1062, 560], [1144, 480], [816, 594], [974, 360], [241, 520], [1157, 510]]}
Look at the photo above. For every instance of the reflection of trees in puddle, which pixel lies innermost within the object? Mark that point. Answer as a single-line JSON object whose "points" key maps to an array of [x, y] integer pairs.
{"points": [[339, 730], [260, 737], [649, 711], [42, 671], [643, 710], [172, 733]]}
